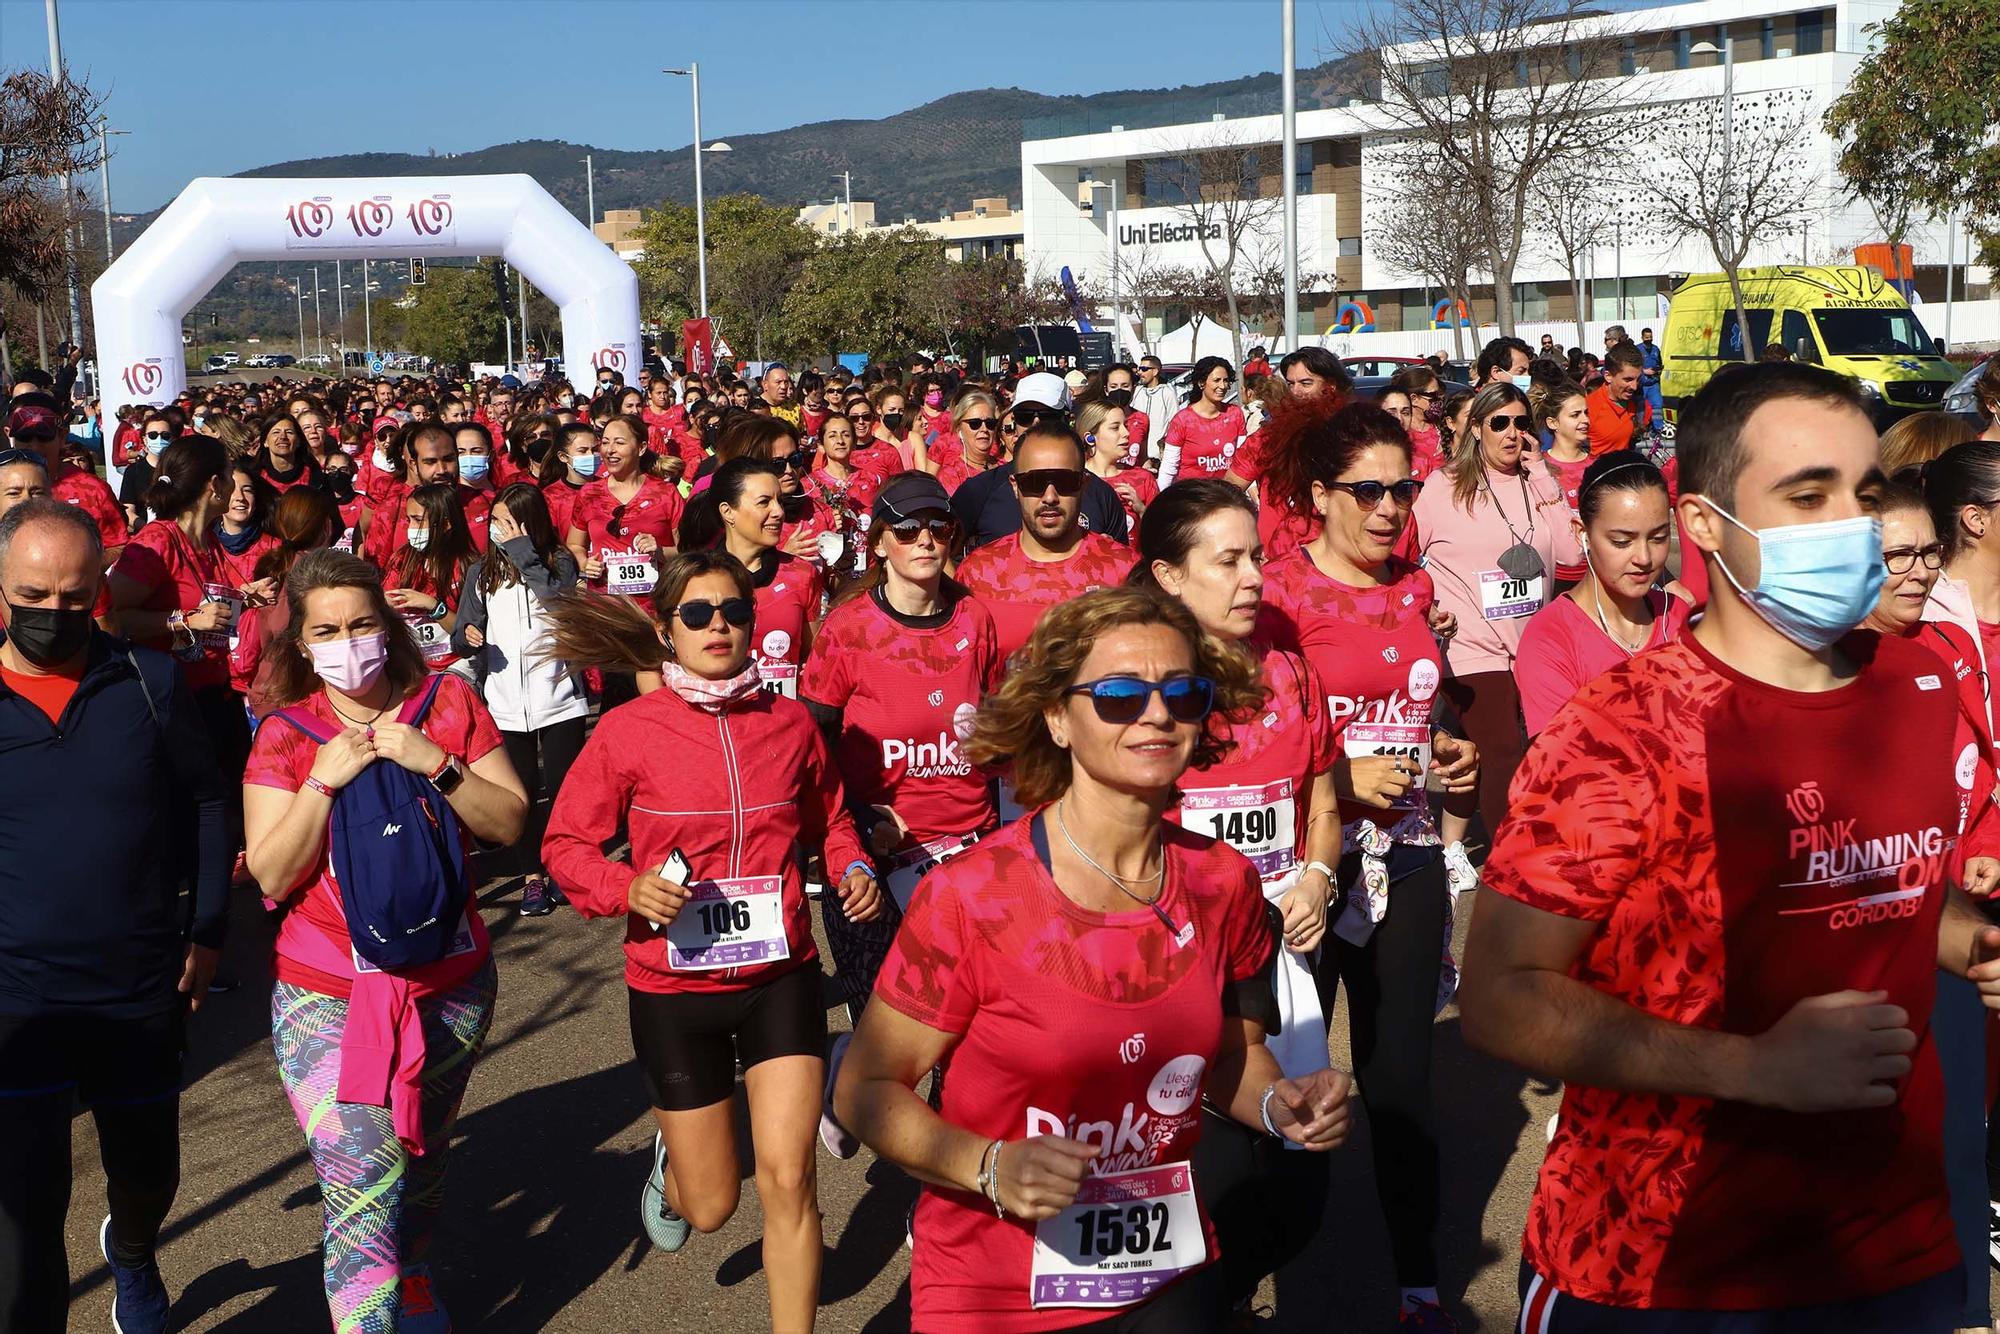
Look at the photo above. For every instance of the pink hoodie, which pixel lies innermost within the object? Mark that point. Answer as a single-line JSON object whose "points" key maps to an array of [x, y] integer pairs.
{"points": [[1462, 553]]}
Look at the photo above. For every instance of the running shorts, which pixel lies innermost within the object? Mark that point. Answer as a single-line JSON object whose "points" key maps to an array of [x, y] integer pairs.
{"points": [[689, 1043]]}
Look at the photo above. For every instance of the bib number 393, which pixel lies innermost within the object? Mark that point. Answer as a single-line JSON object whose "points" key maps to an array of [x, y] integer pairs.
{"points": [[728, 924], [631, 573], [1128, 1235]]}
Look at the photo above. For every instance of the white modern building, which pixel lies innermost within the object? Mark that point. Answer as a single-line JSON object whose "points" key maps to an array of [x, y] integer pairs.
{"points": [[1098, 199]]}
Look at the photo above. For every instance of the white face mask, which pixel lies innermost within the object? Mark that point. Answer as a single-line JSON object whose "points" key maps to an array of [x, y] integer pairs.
{"points": [[419, 538], [382, 463]]}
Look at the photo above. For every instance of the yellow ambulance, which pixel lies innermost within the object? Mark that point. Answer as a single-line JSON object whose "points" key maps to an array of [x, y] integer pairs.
{"points": [[1844, 317]]}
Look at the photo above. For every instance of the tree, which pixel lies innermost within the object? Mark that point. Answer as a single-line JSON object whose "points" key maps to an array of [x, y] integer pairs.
{"points": [[1217, 185], [1496, 92], [1736, 199], [47, 129], [1261, 286], [1918, 118], [1581, 216], [456, 316], [756, 252], [1422, 228], [859, 293]]}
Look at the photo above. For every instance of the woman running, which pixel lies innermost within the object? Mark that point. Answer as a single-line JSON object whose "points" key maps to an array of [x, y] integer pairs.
{"points": [[1365, 619], [718, 783], [1203, 436], [1272, 798], [845, 490], [1494, 532], [1091, 973], [538, 703], [374, 1061], [570, 466], [426, 572], [742, 512], [621, 526], [1618, 609], [283, 459], [1102, 426]]}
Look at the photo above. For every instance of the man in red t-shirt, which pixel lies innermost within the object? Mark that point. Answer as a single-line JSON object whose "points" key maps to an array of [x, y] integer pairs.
{"points": [[1618, 410], [1729, 880], [433, 457], [1052, 559]]}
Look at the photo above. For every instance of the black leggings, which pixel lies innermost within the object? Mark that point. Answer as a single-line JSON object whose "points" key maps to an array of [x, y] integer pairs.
{"points": [[228, 727], [1392, 985], [542, 759], [1266, 1201], [859, 948], [127, 1071]]}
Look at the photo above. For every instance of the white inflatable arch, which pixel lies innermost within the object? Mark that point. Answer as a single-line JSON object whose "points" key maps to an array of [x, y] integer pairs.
{"points": [[217, 222]]}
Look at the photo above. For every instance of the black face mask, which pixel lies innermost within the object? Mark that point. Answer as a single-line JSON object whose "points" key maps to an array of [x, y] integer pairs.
{"points": [[340, 485], [893, 420], [1118, 398], [48, 636]]}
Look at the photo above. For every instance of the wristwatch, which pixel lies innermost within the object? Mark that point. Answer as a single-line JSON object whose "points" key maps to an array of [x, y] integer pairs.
{"points": [[449, 775]]}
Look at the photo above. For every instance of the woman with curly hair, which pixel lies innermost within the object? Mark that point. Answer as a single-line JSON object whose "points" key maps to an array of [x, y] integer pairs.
{"points": [[1141, 943]]}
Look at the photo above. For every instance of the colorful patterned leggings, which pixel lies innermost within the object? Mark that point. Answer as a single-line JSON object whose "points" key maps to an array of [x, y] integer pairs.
{"points": [[381, 1203]]}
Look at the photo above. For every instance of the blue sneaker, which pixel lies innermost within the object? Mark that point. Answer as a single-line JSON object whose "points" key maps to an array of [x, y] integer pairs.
{"points": [[666, 1229], [537, 897], [139, 1306], [420, 1310]]}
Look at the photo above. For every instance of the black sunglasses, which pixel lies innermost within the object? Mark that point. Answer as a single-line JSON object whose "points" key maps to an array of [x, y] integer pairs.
{"points": [[698, 614], [1123, 699], [1066, 481], [1503, 423], [1026, 415], [793, 462], [1368, 495], [909, 530], [981, 423]]}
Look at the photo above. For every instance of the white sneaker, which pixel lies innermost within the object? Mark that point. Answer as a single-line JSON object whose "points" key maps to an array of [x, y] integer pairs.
{"points": [[839, 1140], [1459, 877]]}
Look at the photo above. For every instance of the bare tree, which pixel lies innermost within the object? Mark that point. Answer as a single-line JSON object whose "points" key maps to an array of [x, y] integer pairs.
{"points": [[1217, 183], [1421, 228], [1497, 91], [1579, 216], [1735, 183]]}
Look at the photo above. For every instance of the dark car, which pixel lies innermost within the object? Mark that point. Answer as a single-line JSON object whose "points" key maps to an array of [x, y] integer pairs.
{"points": [[1371, 375], [283, 359]]}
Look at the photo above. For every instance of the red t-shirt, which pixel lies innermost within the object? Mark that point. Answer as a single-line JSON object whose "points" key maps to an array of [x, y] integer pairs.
{"points": [[1145, 486], [388, 527], [180, 577], [611, 524], [281, 756], [1207, 444], [1739, 848], [1270, 770], [51, 693], [879, 457], [87, 491], [661, 426], [787, 603], [1138, 426], [1569, 476], [952, 469], [994, 954], [1563, 649], [1374, 654], [1017, 590], [561, 496], [907, 697]]}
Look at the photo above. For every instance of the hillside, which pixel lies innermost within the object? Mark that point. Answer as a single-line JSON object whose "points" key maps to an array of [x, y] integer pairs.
{"points": [[914, 164]]}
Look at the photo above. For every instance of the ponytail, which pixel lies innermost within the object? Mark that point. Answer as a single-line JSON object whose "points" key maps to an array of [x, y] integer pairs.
{"points": [[586, 629]]}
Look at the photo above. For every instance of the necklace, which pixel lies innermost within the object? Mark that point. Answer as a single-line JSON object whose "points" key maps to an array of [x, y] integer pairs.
{"points": [[1597, 595], [1119, 880], [370, 723]]}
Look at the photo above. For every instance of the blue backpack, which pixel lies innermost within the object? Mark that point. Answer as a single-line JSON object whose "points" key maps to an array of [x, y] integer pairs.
{"points": [[396, 854]]}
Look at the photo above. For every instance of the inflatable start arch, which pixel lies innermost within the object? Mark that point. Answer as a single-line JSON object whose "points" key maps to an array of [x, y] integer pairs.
{"points": [[215, 223]]}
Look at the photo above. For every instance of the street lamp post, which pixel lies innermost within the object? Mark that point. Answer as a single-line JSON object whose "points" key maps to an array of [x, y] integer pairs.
{"points": [[367, 318], [319, 332], [1289, 184], [846, 178], [590, 193], [693, 74], [56, 77], [300, 293], [340, 318], [104, 133]]}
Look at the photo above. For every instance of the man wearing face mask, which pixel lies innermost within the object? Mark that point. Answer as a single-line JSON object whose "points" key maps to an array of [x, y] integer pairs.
{"points": [[1727, 940], [109, 798], [433, 457], [1504, 359]]}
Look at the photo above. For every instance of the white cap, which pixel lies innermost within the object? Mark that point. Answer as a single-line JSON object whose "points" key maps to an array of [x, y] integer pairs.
{"points": [[1076, 380], [1044, 388]]}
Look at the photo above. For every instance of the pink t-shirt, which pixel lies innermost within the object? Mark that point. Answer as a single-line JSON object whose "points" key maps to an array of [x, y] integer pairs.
{"points": [[1461, 551], [1563, 649], [1207, 444]]}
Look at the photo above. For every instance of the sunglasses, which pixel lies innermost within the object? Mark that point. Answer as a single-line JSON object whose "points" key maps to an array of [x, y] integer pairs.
{"points": [[1028, 414], [1368, 495], [1901, 560], [1123, 699], [792, 462], [981, 423], [1066, 481], [697, 615], [909, 530], [1505, 423], [9, 457]]}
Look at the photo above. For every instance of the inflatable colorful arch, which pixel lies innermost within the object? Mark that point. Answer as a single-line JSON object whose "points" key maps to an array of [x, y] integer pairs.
{"points": [[1353, 317], [1441, 315]]}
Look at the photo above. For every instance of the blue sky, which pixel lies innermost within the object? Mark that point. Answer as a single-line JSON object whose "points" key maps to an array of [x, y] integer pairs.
{"points": [[211, 87]]}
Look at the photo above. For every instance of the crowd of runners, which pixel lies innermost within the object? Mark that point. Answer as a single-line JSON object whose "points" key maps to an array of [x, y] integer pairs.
{"points": [[1114, 730]]}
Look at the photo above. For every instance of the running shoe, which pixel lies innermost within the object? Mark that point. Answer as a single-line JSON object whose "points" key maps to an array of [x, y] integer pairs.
{"points": [[537, 897], [139, 1304], [421, 1311], [839, 1141], [666, 1229], [1993, 1233], [1459, 876], [1421, 1317]]}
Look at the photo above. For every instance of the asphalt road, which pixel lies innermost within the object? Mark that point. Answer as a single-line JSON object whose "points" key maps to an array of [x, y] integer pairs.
{"points": [[540, 1231]]}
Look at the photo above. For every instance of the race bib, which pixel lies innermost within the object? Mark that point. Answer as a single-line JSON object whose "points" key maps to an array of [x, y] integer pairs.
{"points": [[1411, 741], [1128, 1235], [631, 573], [1503, 597], [906, 868], [780, 678], [1259, 822], [224, 636], [432, 638], [728, 924], [345, 542], [461, 943]]}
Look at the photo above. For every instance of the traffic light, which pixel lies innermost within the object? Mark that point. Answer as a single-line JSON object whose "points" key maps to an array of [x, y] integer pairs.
{"points": [[416, 273]]}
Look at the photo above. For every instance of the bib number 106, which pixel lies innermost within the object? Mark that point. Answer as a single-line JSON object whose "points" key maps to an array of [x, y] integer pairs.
{"points": [[1137, 1229], [726, 917]]}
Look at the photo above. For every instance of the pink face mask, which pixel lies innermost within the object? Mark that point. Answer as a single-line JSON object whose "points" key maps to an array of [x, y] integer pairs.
{"points": [[351, 666], [935, 398]]}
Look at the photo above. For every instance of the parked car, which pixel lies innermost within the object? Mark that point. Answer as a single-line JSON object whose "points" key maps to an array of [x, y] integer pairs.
{"points": [[262, 359], [283, 359], [216, 365], [1371, 375]]}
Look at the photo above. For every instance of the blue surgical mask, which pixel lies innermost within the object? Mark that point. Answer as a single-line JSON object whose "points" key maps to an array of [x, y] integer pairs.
{"points": [[472, 467], [585, 465], [1816, 581], [1523, 382]]}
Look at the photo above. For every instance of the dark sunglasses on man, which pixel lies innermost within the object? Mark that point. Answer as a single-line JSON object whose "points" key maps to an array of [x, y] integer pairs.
{"points": [[1036, 481]]}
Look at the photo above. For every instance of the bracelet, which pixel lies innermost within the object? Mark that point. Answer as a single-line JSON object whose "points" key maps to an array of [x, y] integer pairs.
{"points": [[320, 787], [858, 865], [992, 1182], [438, 772], [1264, 1111], [1323, 869], [985, 1169]]}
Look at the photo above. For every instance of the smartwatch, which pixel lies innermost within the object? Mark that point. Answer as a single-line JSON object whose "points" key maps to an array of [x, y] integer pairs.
{"points": [[448, 776]]}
